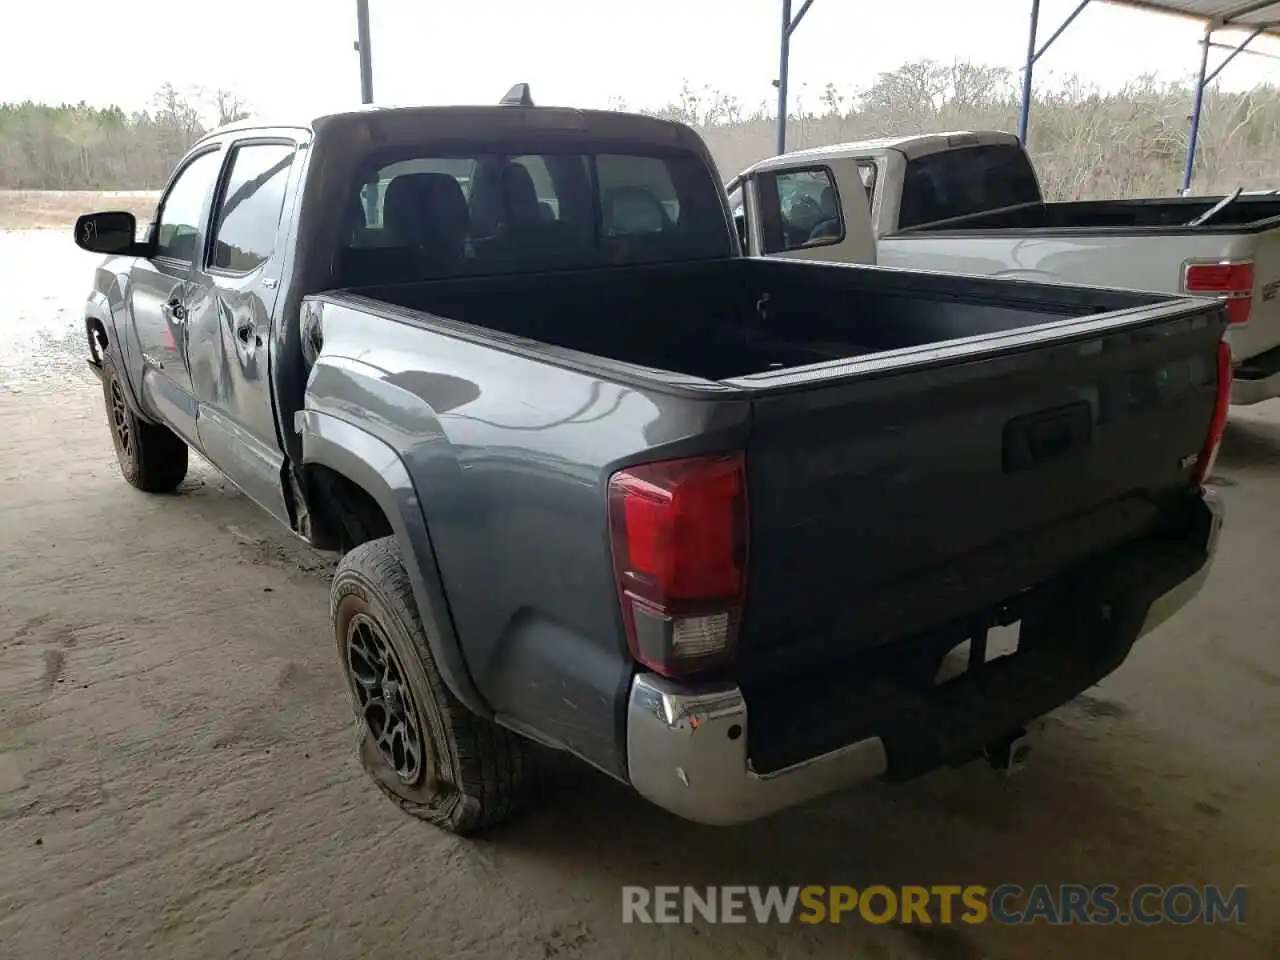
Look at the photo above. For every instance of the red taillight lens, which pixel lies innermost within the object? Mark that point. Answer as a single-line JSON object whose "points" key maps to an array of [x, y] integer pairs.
{"points": [[679, 538], [1218, 425], [1231, 279]]}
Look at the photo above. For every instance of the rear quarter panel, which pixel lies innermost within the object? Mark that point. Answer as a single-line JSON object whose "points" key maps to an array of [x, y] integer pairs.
{"points": [[510, 458], [1262, 332], [1148, 262]]}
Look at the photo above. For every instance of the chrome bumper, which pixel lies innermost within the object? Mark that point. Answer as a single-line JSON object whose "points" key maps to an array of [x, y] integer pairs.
{"points": [[1244, 392], [687, 743], [687, 752]]}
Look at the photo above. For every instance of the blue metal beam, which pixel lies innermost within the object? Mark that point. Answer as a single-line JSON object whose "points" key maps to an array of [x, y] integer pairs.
{"points": [[1062, 29], [1233, 54], [789, 25], [1203, 80], [1025, 112], [1034, 54]]}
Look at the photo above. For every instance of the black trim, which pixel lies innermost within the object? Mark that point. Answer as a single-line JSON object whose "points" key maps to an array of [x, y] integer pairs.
{"points": [[1259, 367]]}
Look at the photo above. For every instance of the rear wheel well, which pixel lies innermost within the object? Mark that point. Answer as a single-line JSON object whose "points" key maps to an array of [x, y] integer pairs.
{"points": [[340, 513]]}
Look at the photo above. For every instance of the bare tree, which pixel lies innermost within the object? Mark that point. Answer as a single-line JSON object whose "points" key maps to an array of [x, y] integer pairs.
{"points": [[1085, 142], [229, 106]]}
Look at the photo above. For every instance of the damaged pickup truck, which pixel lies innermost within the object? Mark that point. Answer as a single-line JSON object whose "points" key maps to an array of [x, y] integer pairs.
{"points": [[710, 523]]}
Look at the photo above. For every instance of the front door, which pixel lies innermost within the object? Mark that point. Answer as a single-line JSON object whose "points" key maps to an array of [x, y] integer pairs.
{"points": [[232, 299], [160, 288]]}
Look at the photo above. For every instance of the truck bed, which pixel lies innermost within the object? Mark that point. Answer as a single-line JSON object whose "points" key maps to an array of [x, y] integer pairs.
{"points": [[1164, 215], [727, 319], [918, 446]]}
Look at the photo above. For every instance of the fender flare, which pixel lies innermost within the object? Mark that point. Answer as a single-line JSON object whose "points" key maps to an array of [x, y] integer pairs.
{"points": [[375, 466], [98, 307]]}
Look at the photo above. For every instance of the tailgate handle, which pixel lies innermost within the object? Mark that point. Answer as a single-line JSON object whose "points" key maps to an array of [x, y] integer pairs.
{"points": [[1047, 435]]}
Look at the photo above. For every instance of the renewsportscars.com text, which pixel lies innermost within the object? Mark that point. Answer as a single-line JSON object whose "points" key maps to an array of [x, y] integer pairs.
{"points": [[1063, 904]]}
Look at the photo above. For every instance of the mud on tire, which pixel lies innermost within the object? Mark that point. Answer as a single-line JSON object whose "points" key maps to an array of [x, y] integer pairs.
{"points": [[151, 456], [422, 746]]}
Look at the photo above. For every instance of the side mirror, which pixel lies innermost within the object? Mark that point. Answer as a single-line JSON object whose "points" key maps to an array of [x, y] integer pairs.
{"points": [[113, 233]]}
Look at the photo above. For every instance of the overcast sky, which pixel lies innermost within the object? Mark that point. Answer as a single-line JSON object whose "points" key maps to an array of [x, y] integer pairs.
{"points": [[296, 56]]}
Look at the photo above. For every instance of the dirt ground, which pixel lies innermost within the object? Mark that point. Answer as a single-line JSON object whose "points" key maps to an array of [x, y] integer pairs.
{"points": [[178, 778]]}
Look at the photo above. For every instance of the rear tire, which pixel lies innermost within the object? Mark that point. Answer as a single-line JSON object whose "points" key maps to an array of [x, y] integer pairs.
{"points": [[151, 456], [421, 746]]}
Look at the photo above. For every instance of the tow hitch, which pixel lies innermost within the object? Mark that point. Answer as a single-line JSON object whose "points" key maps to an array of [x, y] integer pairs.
{"points": [[1010, 753]]}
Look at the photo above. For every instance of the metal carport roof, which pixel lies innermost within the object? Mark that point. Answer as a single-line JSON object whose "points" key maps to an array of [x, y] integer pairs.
{"points": [[1219, 13], [1252, 17]]}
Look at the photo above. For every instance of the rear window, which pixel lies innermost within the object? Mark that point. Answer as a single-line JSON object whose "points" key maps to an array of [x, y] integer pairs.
{"points": [[432, 217], [956, 183]]}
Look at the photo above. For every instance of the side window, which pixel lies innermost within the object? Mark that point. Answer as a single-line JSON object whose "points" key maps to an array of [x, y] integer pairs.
{"points": [[799, 208], [178, 226], [249, 209]]}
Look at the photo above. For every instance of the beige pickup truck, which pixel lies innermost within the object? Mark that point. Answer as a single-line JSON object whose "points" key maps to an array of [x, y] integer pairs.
{"points": [[967, 202]]}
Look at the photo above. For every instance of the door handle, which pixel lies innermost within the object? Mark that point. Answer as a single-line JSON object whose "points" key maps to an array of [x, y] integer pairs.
{"points": [[176, 310]]}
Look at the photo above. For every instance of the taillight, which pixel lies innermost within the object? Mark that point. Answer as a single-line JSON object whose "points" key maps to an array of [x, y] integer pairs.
{"points": [[1218, 425], [1230, 279], [679, 538]]}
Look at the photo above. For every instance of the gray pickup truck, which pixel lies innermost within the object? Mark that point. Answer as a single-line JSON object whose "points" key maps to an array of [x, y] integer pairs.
{"points": [[710, 523]]}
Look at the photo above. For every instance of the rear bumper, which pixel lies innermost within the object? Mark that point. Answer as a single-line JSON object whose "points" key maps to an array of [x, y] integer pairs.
{"points": [[1244, 392], [1171, 601], [687, 744], [1257, 378]]}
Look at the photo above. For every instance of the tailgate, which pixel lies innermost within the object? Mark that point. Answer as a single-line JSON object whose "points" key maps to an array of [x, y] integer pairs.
{"points": [[892, 494]]}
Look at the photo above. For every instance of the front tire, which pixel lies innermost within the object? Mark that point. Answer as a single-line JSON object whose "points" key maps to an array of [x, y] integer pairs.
{"points": [[151, 456], [422, 746]]}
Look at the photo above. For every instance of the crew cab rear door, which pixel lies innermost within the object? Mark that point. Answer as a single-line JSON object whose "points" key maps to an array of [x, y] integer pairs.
{"points": [[233, 299]]}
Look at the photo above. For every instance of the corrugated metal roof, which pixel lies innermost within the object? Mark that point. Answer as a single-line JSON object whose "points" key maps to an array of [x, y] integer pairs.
{"points": [[1244, 14]]}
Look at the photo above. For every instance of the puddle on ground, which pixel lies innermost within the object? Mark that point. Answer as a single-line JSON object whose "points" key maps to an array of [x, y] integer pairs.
{"points": [[46, 280]]}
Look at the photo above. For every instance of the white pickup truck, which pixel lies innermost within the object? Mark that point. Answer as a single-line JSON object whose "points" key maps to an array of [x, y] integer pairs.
{"points": [[967, 202]]}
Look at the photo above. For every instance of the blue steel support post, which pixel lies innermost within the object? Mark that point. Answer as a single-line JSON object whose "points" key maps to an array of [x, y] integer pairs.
{"points": [[1203, 80], [1034, 54], [365, 47], [784, 57], [783, 66], [1025, 112]]}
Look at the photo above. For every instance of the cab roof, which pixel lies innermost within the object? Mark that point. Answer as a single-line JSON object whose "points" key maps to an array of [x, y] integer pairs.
{"points": [[480, 122], [912, 146]]}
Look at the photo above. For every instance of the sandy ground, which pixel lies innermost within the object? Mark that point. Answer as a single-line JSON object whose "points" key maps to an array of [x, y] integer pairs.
{"points": [[58, 209], [178, 779]]}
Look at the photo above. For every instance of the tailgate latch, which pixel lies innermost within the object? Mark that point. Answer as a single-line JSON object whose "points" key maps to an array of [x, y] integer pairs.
{"points": [[1038, 438]]}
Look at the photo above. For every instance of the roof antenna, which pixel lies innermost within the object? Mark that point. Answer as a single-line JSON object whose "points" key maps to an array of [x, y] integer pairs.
{"points": [[517, 96]]}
